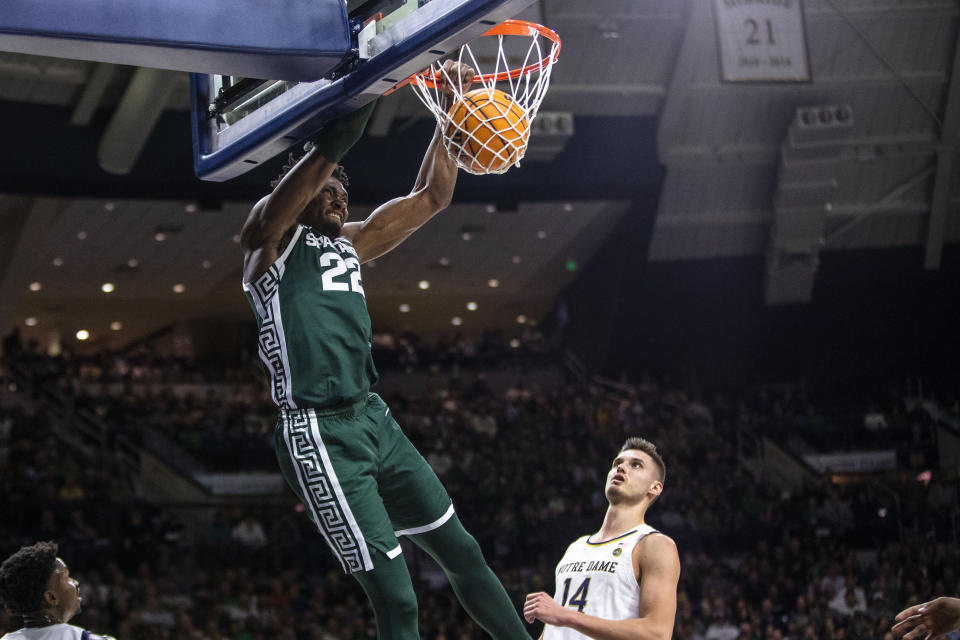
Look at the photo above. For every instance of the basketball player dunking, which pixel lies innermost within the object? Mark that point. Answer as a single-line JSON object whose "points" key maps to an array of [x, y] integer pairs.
{"points": [[621, 582], [362, 482]]}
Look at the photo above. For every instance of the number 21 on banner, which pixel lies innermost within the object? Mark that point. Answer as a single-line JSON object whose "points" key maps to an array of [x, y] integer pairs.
{"points": [[754, 37], [761, 41]]}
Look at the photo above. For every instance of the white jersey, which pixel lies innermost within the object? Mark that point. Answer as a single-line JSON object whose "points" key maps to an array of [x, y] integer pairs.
{"points": [[597, 578], [54, 632]]}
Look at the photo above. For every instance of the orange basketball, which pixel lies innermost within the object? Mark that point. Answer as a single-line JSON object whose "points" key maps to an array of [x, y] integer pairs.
{"points": [[488, 131]]}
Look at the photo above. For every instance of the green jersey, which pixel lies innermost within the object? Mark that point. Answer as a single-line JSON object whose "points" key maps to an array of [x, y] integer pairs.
{"points": [[314, 329]]}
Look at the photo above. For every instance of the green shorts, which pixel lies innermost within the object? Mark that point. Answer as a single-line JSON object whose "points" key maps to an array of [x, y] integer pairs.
{"points": [[362, 482]]}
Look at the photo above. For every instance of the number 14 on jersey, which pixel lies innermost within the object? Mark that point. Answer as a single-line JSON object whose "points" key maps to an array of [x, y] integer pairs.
{"points": [[579, 597]]}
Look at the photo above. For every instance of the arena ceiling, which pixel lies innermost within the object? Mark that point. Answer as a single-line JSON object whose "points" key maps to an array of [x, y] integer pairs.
{"points": [[733, 174]]}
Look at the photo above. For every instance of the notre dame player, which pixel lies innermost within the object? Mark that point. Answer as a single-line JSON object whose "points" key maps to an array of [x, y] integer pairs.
{"points": [[620, 582], [340, 450], [36, 585]]}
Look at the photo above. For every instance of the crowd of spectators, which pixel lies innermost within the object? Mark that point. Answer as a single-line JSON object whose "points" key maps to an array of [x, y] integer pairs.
{"points": [[224, 413], [40, 468], [134, 365], [892, 417], [409, 351], [525, 466], [225, 428], [404, 350]]}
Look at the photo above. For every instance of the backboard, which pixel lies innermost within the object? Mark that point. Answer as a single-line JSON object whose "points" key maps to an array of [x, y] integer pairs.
{"points": [[240, 122], [300, 39]]}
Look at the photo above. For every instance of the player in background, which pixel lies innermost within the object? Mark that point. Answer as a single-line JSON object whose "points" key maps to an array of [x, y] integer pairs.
{"points": [[36, 585], [362, 482], [620, 582]]}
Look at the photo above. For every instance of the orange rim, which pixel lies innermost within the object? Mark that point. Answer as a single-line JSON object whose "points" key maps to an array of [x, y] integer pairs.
{"points": [[505, 28]]}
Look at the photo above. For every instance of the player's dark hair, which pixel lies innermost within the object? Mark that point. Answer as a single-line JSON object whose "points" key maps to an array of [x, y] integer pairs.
{"points": [[642, 444], [339, 173], [24, 577]]}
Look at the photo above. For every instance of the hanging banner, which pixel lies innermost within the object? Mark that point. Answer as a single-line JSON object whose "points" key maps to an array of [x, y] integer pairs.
{"points": [[761, 41]]}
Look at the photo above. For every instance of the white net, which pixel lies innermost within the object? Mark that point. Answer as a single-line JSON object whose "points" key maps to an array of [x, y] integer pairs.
{"points": [[487, 127]]}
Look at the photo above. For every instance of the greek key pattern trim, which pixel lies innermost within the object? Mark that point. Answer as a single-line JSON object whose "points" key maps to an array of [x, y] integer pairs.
{"points": [[270, 339], [321, 489]]}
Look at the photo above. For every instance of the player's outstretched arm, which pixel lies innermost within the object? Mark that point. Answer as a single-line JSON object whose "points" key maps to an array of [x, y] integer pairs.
{"points": [[393, 222], [659, 565], [276, 213], [928, 620]]}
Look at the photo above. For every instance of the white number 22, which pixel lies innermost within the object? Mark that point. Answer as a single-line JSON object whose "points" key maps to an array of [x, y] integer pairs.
{"points": [[338, 268]]}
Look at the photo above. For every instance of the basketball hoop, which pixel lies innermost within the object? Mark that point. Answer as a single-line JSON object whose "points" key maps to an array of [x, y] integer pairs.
{"points": [[487, 131]]}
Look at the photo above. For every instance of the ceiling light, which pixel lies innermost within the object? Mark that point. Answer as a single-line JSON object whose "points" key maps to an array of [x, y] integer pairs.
{"points": [[206, 264], [444, 261], [472, 306], [514, 343], [133, 263], [236, 238], [190, 208], [82, 235], [35, 286], [567, 207], [179, 288], [541, 234], [30, 322], [83, 334], [109, 206], [116, 325], [491, 208], [493, 283], [521, 319], [159, 236], [516, 260], [456, 321], [404, 308], [58, 262], [423, 284], [466, 235], [107, 287]]}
